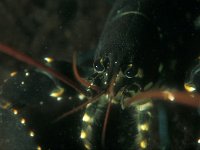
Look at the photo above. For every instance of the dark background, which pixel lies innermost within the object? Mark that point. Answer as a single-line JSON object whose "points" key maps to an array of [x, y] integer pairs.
{"points": [[49, 28], [53, 28], [41, 28]]}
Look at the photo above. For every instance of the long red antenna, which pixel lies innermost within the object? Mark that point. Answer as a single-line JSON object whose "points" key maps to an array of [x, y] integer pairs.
{"points": [[92, 100], [185, 98], [27, 59]]}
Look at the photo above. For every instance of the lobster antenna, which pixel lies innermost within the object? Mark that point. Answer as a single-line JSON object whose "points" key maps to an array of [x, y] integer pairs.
{"points": [[92, 100], [27, 59], [184, 98]]}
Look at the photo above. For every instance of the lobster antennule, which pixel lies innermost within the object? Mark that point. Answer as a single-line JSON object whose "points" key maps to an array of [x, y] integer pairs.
{"points": [[103, 134], [189, 99], [27, 59]]}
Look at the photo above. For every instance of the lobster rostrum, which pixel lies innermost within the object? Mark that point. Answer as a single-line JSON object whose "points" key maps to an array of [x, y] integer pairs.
{"points": [[146, 53]]}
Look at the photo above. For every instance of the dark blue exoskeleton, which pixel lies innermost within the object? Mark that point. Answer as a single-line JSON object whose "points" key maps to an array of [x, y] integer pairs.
{"points": [[139, 35], [145, 44]]}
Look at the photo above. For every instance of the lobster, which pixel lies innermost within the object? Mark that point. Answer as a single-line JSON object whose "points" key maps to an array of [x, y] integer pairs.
{"points": [[142, 54]]}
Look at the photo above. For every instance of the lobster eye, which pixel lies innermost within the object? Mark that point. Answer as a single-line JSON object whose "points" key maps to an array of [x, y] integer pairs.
{"points": [[130, 71], [101, 64], [98, 66]]}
